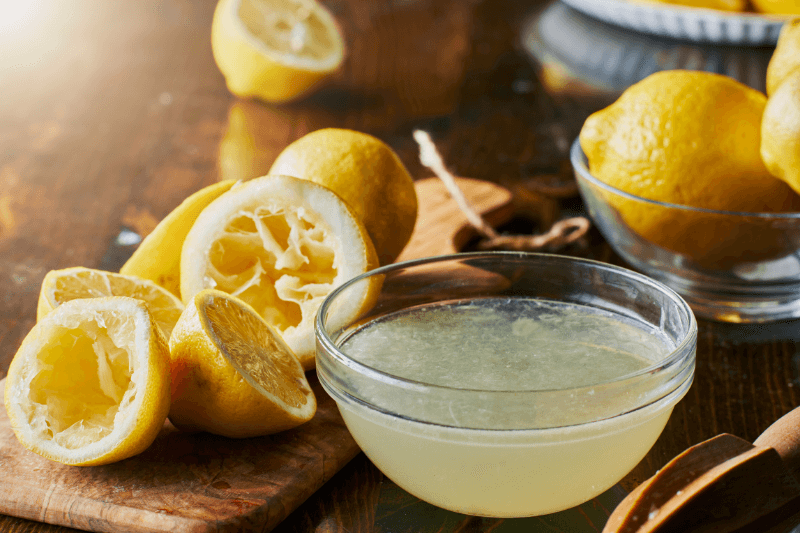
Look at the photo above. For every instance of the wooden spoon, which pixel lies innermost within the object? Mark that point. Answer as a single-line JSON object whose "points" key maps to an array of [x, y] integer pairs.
{"points": [[720, 485]]}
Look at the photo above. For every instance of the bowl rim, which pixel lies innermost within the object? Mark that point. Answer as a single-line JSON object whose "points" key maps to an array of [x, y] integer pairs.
{"points": [[677, 354], [580, 163]]}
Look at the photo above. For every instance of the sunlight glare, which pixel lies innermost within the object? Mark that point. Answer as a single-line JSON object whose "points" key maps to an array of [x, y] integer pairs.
{"points": [[15, 15]]}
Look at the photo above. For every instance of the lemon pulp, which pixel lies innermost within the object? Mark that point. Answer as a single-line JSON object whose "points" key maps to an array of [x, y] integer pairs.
{"points": [[83, 382]]}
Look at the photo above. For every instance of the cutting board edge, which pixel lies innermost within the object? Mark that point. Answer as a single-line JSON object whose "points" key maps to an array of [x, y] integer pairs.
{"points": [[91, 515]]}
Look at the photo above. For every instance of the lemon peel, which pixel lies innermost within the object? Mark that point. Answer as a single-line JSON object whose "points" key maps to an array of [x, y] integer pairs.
{"points": [[158, 257], [232, 373], [780, 131], [366, 173], [777, 7], [720, 5], [90, 383], [786, 57]]}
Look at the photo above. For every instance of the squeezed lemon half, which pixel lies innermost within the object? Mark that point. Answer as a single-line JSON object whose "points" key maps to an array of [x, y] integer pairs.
{"points": [[232, 373], [158, 257], [281, 244], [275, 50], [90, 383]]}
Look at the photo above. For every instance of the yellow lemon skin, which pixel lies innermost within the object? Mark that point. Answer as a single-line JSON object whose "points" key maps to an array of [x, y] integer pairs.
{"points": [[158, 257], [251, 69], [780, 132], [777, 7], [721, 5], [786, 57], [689, 138], [60, 390], [268, 393], [367, 174]]}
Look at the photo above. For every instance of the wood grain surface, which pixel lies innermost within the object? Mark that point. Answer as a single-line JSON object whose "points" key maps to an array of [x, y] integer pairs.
{"points": [[182, 482], [194, 483], [112, 112]]}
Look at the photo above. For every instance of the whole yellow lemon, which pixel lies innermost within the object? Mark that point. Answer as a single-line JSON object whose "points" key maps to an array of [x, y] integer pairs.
{"points": [[275, 50], [786, 57], [688, 138], [780, 131], [778, 7]]}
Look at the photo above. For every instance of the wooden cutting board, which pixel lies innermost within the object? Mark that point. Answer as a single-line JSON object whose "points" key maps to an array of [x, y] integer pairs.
{"points": [[201, 482]]}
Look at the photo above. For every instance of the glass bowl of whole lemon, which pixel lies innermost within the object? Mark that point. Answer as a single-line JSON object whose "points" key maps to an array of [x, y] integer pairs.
{"points": [[676, 175]]}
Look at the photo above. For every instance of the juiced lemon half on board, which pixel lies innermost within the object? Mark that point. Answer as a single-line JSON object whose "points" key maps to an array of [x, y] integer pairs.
{"points": [[275, 50], [158, 257], [232, 374], [281, 244], [74, 283], [90, 383]]}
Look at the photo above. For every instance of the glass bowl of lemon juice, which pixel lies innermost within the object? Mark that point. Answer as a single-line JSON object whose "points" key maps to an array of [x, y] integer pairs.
{"points": [[505, 384]]}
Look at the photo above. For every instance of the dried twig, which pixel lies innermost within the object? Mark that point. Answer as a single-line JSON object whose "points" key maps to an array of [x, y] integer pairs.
{"points": [[429, 156], [561, 234]]}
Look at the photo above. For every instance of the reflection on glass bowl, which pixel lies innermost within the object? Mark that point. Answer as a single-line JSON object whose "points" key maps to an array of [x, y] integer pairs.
{"points": [[732, 267], [579, 54]]}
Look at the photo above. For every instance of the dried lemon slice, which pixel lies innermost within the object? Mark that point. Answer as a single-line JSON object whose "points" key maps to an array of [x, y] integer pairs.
{"points": [[281, 244], [90, 383], [232, 373], [61, 286]]}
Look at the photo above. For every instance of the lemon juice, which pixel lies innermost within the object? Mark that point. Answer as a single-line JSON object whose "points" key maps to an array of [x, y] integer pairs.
{"points": [[527, 416]]}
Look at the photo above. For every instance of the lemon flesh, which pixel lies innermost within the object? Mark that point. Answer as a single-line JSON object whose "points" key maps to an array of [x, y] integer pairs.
{"points": [[232, 373], [367, 174], [90, 382], [61, 286], [281, 244], [275, 50], [158, 257]]}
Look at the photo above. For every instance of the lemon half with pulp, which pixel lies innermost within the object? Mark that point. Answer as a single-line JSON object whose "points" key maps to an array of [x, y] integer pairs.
{"points": [[275, 50], [90, 383]]}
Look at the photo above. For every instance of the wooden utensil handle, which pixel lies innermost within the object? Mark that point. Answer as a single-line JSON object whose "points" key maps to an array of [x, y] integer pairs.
{"points": [[784, 436]]}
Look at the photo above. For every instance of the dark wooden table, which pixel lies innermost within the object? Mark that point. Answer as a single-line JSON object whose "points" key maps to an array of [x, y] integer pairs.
{"points": [[112, 112]]}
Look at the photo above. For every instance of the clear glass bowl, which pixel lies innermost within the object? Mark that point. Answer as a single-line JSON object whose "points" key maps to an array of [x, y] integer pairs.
{"points": [[729, 266], [506, 451]]}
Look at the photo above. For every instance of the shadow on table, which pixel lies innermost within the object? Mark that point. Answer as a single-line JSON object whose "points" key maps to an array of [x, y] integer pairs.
{"points": [[400, 512], [779, 331]]}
